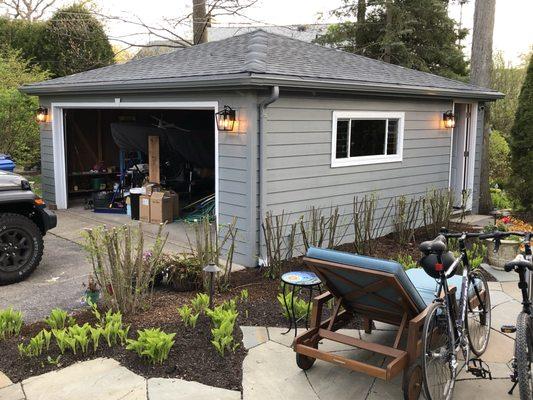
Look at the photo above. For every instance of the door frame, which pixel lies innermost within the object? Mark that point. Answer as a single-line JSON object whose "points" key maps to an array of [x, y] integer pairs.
{"points": [[471, 146], [58, 136]]}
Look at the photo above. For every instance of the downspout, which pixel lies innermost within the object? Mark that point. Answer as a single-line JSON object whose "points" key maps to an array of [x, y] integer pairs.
{"points": [[261, 167]]}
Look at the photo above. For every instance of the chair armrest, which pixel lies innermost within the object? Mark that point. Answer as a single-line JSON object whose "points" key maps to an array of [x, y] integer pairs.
{"points": [[318, 303]]}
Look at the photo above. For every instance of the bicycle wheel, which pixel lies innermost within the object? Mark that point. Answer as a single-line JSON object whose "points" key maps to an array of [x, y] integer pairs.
{"points": [[524, 355], [478, 321], [438, 345]]}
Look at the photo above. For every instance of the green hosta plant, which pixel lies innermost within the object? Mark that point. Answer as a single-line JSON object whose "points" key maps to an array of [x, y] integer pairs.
{"points": [[96, 333], [187, 316], [81, 337], [61, 336], [152, 344], [223, 318], [244, 295], [200, 303], [59, 319], [10, 323], [35, 346], [300, 306], [47, 335]]}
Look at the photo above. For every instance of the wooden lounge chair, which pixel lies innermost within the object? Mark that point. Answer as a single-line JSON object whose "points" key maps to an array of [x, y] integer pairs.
{"points": [[375, 290]]}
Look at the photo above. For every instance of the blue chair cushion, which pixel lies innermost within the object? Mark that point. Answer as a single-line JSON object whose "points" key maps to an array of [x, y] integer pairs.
{"points": [[361, 279], [427, 286]]}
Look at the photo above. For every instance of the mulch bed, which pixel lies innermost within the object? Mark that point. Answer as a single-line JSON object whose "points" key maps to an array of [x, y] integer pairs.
{"points": [[192, 357]]}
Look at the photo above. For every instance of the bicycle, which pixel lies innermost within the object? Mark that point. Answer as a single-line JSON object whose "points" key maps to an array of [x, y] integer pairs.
{"points": [[522, 372], [451, 326]]}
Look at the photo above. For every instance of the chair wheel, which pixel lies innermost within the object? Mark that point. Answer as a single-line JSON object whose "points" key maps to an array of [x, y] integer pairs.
{"points": [[304, 362], [412, 382]]}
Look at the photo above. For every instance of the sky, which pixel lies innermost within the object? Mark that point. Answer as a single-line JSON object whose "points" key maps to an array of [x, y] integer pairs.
{"points": [[513, 31]]}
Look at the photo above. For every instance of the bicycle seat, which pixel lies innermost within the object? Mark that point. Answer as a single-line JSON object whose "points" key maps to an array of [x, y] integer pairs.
{"points": [[517, 264], [435, 246]]}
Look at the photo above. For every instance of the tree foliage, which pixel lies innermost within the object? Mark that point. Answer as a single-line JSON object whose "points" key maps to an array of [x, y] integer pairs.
{"points": [[499, 159], [521, 144], [508, 80], [19, 133], [413, 33], [75, 42]]}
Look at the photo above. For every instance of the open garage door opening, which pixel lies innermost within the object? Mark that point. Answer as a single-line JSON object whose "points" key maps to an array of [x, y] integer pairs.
{"points": [[118, 160]]}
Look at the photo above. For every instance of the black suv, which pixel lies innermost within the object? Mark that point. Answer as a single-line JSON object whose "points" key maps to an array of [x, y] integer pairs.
{"points": [[24, 220]]}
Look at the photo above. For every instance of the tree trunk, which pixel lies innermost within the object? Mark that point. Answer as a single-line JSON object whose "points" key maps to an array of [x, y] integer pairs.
{"points": [[388, 27], [199, 21], [480, 74], [361, 11]]}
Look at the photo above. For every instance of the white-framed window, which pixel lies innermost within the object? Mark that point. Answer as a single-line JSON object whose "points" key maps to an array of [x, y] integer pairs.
{"points": [[366, 137]]}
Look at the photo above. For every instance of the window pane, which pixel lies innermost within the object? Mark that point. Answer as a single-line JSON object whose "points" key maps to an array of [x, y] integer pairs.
{"points": [[367, 137], [392, 137], [342, 139]]}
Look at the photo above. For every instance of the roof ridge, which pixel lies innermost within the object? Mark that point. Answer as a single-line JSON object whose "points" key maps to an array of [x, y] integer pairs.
{"points": [[256, 52]]}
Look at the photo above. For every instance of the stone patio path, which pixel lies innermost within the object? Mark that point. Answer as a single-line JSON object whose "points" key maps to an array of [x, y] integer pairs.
{"points": [[270, 371]]}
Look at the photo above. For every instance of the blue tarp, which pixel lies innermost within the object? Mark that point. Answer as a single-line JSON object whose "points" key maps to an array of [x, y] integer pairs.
{"points": [[6, 163]]}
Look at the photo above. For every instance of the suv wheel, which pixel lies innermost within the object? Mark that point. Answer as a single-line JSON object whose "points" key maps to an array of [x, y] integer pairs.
{"points": [[21, 247]]}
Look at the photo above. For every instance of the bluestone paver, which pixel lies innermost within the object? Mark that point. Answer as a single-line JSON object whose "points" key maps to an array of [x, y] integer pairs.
{"points": [[12, 392], [4, 380], [179, 389], [98, 379], [253, 336]]}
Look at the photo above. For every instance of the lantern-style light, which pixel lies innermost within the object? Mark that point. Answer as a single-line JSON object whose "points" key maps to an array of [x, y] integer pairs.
{"points": [[226, 119], [42, 114], [211, 270], [449, 119]]}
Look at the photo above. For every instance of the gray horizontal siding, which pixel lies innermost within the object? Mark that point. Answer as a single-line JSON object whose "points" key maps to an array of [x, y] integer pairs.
{"points": [[298, 156], [47, 164]]}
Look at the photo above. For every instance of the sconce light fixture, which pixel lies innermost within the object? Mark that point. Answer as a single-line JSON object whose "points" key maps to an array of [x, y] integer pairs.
{"points": [[226, 119], [449, 119], [42, 114]]}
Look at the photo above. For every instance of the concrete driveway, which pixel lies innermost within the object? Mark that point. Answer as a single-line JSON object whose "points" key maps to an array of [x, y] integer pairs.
{"points": [[57, 281]]}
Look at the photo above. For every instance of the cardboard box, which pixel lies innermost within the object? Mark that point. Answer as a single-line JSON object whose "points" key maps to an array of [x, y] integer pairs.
{"points": [[175, 204], [150, 188], [161, 207], [144, 208]]}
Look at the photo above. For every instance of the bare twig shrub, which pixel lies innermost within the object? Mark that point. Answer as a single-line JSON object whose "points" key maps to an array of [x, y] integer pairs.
{"points": [[209, 243], [437, 209], [405, 218], [121, 267], [319, 230], [366, 225], [279, 242]]}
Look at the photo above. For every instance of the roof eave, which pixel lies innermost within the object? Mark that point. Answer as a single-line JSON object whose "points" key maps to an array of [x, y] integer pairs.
{"points": [[390, 89], [259, 80]]}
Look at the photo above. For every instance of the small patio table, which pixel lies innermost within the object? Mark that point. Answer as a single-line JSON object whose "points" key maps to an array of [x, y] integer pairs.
{"points": [[303, 280]]}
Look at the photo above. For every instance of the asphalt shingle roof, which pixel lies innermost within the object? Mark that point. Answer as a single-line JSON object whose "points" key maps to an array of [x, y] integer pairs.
{"points": [[259, 55]]}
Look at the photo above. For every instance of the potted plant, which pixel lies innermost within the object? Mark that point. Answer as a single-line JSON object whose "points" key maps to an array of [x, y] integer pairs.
{"points": [[510, 246], [92, 293]]}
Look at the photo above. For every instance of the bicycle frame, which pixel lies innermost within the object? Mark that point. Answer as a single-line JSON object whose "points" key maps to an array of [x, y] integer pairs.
{"points": [[458, 318]]}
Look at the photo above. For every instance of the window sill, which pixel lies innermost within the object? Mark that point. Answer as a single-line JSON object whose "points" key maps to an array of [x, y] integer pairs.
{"points": [[365, 160]]}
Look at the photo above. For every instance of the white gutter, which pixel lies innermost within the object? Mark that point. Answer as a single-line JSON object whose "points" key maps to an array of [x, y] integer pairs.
{"points": [[262, 168]]}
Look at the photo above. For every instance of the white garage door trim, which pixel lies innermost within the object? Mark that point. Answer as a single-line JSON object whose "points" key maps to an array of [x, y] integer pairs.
{"points": [[58, 135]]}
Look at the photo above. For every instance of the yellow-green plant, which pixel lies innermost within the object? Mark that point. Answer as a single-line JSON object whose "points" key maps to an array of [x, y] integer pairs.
{"points": [[96, 333], [61, 336], [10, 323], [300, 306], [244, 295], [200, 302], [59, 319], [223, 318], [35, 346], [406, 261], [152, 344], [187, 316], [47, 335]]}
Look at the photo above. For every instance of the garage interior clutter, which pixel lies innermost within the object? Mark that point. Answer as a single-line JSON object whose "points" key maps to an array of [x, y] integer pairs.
{"points": [[151, 165]]}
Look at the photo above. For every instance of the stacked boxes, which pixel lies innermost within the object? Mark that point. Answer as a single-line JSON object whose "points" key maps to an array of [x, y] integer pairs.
{"points": [[158, 206]]}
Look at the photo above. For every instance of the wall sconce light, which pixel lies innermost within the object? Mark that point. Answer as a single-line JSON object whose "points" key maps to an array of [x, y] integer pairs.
{"points": [[225, 119], [42, 114], [449, 119]]}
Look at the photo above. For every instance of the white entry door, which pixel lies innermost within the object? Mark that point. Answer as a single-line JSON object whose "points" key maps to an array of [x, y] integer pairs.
{"points": [[460, 179]]}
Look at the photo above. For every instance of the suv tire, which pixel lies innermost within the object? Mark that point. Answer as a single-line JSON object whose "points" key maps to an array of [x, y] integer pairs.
{"points": [[21, 247]]}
